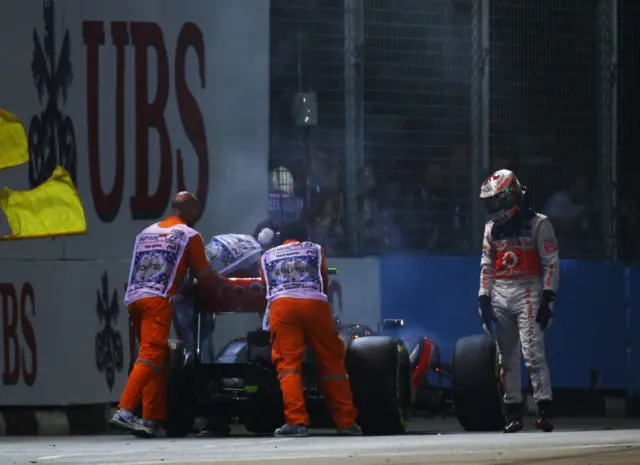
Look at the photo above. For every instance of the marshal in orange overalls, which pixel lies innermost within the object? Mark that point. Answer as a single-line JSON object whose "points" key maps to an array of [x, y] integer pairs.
{"points": [[301, 315], [151, 319]]}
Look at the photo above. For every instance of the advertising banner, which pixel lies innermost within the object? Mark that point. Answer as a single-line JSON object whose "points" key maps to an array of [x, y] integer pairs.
{"points": [[64, 332], [139, 101]]}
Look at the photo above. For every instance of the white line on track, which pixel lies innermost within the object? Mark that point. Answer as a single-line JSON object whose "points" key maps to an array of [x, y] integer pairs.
{"points": [[386, 454], [88, 454]]}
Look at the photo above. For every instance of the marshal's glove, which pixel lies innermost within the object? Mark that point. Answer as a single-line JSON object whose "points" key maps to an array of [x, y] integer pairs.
{"points": [[545, 313], [486, 314]]}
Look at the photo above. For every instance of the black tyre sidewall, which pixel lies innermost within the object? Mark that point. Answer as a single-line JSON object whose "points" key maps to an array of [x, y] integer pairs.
{"points": [[476, 387], [179, 420], [380, 375]]}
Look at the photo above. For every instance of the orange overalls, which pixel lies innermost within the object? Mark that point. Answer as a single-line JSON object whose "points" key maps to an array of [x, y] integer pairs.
{"points": [[151, 319], [296, 322]]}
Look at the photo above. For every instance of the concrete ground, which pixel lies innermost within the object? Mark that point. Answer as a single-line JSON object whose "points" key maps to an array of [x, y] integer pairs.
{"points": [[429, 441]]}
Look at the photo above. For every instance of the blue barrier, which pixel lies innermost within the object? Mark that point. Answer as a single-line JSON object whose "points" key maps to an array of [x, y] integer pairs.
{"points": [[633, 321], [587, 344]]}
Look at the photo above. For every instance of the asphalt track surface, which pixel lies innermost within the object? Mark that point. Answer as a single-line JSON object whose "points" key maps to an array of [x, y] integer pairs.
{"points": [[435, 441]]}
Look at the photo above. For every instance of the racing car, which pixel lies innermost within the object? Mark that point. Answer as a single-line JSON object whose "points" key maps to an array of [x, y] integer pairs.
{"points": [[387, 371], [476, 393], [242, 385]]}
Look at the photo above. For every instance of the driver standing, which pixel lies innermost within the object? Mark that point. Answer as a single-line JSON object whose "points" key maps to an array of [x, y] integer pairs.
{"points": [[518, 283]]}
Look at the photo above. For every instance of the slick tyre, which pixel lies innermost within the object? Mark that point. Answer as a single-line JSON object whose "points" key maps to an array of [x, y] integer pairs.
{"points": [[475, 382], [380, 374], [179, 419]]}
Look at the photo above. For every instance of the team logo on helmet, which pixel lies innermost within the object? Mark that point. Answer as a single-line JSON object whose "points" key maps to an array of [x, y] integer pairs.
{"points": [[497, 183], [492, 181]]}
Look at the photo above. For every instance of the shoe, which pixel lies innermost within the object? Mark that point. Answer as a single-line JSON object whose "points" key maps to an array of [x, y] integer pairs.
{"points": [[514, 426], [148, 429], [124, 421], [353, 430], [514, 418], [544, 422], [292, 431]]}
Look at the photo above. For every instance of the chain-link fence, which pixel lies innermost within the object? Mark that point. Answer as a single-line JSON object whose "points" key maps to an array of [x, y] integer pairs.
{"points": [[307, 56], [544, 112], [419, 99], [417, 77]]}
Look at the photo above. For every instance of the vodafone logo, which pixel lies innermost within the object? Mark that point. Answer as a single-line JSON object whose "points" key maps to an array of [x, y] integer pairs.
{"points": [[509, 260]]}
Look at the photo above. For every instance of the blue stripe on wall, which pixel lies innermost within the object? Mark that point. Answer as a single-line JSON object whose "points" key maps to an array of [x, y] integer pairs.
{"points": [[634, 327], [436, 296]]}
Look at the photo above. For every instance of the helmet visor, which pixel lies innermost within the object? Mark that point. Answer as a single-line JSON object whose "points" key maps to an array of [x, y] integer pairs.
{"points": [[495, 204]]}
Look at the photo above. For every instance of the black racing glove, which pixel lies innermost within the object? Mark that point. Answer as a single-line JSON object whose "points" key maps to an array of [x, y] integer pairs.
{"points": [[545, 313], [486, 313]]}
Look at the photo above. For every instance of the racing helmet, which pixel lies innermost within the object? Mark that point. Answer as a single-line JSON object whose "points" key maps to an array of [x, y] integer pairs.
{"points": [[502, 195], [267, 233]]}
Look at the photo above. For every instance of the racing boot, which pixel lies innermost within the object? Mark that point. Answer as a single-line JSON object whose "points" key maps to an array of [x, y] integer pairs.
{"points": [[292, 431], [514, 418], [544, 422], [124, 420]]}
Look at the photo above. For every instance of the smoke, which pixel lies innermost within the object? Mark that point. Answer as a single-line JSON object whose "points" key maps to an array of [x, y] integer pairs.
{"points": [[245, 202], [238, 118]]}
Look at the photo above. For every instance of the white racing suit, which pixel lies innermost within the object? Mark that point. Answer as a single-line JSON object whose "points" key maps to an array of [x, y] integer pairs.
{"points": [[519, 260], [228, 254]]}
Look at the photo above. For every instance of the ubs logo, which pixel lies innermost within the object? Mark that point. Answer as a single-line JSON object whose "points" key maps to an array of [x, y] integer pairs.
{"points": [[52, 139]]}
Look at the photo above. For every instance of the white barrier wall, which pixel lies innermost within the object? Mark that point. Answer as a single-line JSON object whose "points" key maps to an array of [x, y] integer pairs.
{"points": [[65, 334]]}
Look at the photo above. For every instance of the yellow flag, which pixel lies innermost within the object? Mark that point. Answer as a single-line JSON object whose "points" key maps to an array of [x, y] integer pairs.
{"points": [[14, 149], [51, 209]]}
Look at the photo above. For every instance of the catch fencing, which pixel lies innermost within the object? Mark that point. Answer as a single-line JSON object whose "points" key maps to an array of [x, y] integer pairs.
{"points": [[418, 100]]}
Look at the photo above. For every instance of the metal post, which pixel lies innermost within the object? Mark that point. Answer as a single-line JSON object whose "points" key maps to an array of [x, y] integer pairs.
{"points": [[353, 103], [480, 100], [614, 127], [608, 122]]}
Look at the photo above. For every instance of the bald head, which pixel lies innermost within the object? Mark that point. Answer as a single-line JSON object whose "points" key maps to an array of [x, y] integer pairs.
{"points": [[186, 206], [184, 200]]}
